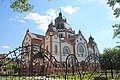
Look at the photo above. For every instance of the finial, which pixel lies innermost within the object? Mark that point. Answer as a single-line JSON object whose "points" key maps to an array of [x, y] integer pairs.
{"points": [[91, 37], [79, 31], [60, 14], [60, 9], [27, 30]]}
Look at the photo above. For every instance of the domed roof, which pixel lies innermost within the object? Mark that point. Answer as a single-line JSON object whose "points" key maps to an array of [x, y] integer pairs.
{"points": [[60, 18], [63, 25]]}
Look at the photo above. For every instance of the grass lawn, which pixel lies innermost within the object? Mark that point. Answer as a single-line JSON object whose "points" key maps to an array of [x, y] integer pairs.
{"points": [[86, 76], [76, 76], [7, 78]]}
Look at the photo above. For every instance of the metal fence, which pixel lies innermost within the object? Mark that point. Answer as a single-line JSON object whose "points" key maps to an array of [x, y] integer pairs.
{"points": [[35, 63]]}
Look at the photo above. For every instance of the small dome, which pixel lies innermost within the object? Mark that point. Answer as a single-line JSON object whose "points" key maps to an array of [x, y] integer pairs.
{"points": [[51, 27], [51, 24]]}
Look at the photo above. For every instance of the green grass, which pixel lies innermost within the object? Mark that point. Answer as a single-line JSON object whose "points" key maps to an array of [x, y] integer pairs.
{"points": [[76, 76], [7, 78], [86, 76]]}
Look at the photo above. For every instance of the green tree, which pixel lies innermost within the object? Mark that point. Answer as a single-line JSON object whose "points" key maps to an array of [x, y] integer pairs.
{"points": [[12, 68], [116, 27], [110, 55], [112, 4], [21, 5], [24, 6]]}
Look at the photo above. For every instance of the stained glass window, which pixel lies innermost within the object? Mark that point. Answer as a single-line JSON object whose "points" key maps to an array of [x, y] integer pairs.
{"points": [[80, 50]]}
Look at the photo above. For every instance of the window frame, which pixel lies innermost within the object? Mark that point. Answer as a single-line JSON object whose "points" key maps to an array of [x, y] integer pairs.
{"points": [[68, 50], [81, 53]]}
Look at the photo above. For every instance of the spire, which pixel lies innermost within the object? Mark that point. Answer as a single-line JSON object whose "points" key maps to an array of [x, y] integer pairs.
{"points": [[79, 31], [51, 24], [60, 14], [91, 40], [27, 30]]}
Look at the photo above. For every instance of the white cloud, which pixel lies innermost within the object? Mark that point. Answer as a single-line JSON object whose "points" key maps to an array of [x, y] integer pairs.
{"points": [[21, 21], [69, 9], [4, 47], [51, 13], [16, 18], [42, 20], [107, 33]]}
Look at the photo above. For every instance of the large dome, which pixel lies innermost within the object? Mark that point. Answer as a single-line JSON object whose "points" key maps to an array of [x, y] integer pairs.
{"points": [[63, 25]]}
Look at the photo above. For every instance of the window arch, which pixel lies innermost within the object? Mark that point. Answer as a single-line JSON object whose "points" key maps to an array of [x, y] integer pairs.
{"points": [[58, 26], [66, 50], [47, 47], [62, 26], [61, 35], [68, 35]]}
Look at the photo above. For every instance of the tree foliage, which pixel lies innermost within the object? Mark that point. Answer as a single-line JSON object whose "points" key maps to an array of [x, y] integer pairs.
{"points": [[110, 59], [21, 6], [116, 27], [24, 6], [116, 30], [112, 4]]}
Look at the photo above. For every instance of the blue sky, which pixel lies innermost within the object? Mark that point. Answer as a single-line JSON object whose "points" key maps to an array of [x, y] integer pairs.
{"points": [[90, 16]]}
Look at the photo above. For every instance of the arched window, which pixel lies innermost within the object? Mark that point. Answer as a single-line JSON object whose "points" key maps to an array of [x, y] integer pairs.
{"points": [[81, 50], [61, 35], [47, 47], [68, 35], [65, 50], [62, 26], [58, 26]]}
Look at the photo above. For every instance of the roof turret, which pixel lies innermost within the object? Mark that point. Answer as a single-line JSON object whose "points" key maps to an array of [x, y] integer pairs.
{"points": [[51, 27], [91, 40]]}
